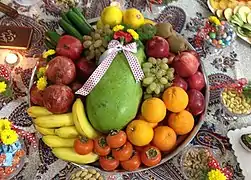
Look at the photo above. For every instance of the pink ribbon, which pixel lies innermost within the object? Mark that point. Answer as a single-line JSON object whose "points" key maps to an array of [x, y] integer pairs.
{"points": [[114, 47]]}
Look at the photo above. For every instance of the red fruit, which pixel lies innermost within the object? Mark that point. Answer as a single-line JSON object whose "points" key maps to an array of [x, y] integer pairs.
{"points": [[180, 82], [58, 98], [133, 163], [196, 81], [196, 104], [85, 68], [157, 47], [61, 70], [76, 86], [36, 96], [108, 163], [186, 64], [170, 57], [70, 47], [150, 156], [193, 53]]}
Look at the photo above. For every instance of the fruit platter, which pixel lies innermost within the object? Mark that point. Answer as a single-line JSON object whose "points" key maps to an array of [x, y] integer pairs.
{"points": [[237, 13], [120, 94]]}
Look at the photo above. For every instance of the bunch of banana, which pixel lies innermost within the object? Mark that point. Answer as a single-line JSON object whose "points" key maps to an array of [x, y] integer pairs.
{"points": [[61, 130], [81, 122]]}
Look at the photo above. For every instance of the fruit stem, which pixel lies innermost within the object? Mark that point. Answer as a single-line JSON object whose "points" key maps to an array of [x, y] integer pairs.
{"points": [[114, 132], [151, 153], [102, 142]]}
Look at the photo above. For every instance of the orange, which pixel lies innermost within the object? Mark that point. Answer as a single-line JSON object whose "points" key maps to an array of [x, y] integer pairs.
{"points": [[153, 125], [139, 132], [182, 122], [153, 110], [164, 138], [175, 99]]}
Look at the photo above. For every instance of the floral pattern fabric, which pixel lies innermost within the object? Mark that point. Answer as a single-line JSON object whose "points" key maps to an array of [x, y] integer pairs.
{"points": [[185, 16]]}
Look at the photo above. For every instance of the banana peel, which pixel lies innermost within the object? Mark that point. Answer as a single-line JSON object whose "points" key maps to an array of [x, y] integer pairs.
{"points": [[56, 142], [68, 154], [54, 121], [36, 111], [67, 132], [81, 122], [45, 131]]}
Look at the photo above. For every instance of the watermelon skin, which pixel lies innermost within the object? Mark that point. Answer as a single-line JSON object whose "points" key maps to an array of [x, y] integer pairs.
{"points": [[115, 100]]}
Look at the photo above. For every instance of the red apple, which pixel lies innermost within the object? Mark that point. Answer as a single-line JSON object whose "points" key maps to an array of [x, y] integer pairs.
{"points": [[70, 47], [85, 68], [196, 81], [157, 47], [186, 64], [180, 82]]}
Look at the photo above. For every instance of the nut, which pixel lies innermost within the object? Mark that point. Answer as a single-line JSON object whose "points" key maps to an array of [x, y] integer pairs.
{"points": [[88, 176], [78, 173], [92, 171], [84, 174]]}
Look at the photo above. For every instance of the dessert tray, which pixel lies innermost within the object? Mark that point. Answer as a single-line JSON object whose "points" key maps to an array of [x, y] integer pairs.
{"points": [[243, 156]]}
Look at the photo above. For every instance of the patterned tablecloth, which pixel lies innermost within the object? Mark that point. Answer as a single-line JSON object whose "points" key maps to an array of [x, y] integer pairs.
{"points": [[185, 16]]}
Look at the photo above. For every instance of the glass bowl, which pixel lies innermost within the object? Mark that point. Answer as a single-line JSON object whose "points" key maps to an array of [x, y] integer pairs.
{"points": [[56, 6], [19, 166], [217, 45], [234, 101], [194, 162]]}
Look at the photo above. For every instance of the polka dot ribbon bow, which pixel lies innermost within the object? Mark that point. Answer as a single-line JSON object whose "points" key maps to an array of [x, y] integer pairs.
{"points": [[114, 48]]}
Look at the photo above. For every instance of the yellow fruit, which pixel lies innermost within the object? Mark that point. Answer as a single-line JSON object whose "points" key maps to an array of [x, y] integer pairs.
{"points": [[55, 141], [81, 122], [153, 110], [45, 131], [54, 121], [68, 154], [67, 132], [139, 133], [223, 4], [112, 16], [215, 4], [148, 21], [36, 111], [134, 18]]}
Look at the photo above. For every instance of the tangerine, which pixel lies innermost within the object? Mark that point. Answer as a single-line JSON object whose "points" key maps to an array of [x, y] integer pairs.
{"points": [[175, 99], [182, 122], [139, 132], [164, 138], [153, 110]]}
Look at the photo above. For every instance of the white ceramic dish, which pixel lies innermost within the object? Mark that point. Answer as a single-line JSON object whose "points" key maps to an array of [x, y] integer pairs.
{"points": [[248, 40], [243, 156]]}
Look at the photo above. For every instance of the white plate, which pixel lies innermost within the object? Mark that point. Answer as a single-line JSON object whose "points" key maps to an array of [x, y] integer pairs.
{"points": [[248, 40], [243, 156]]}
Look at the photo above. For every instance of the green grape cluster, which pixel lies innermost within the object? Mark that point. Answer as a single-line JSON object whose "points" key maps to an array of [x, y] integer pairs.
{"points": [[96, 43], [158, 77]]}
